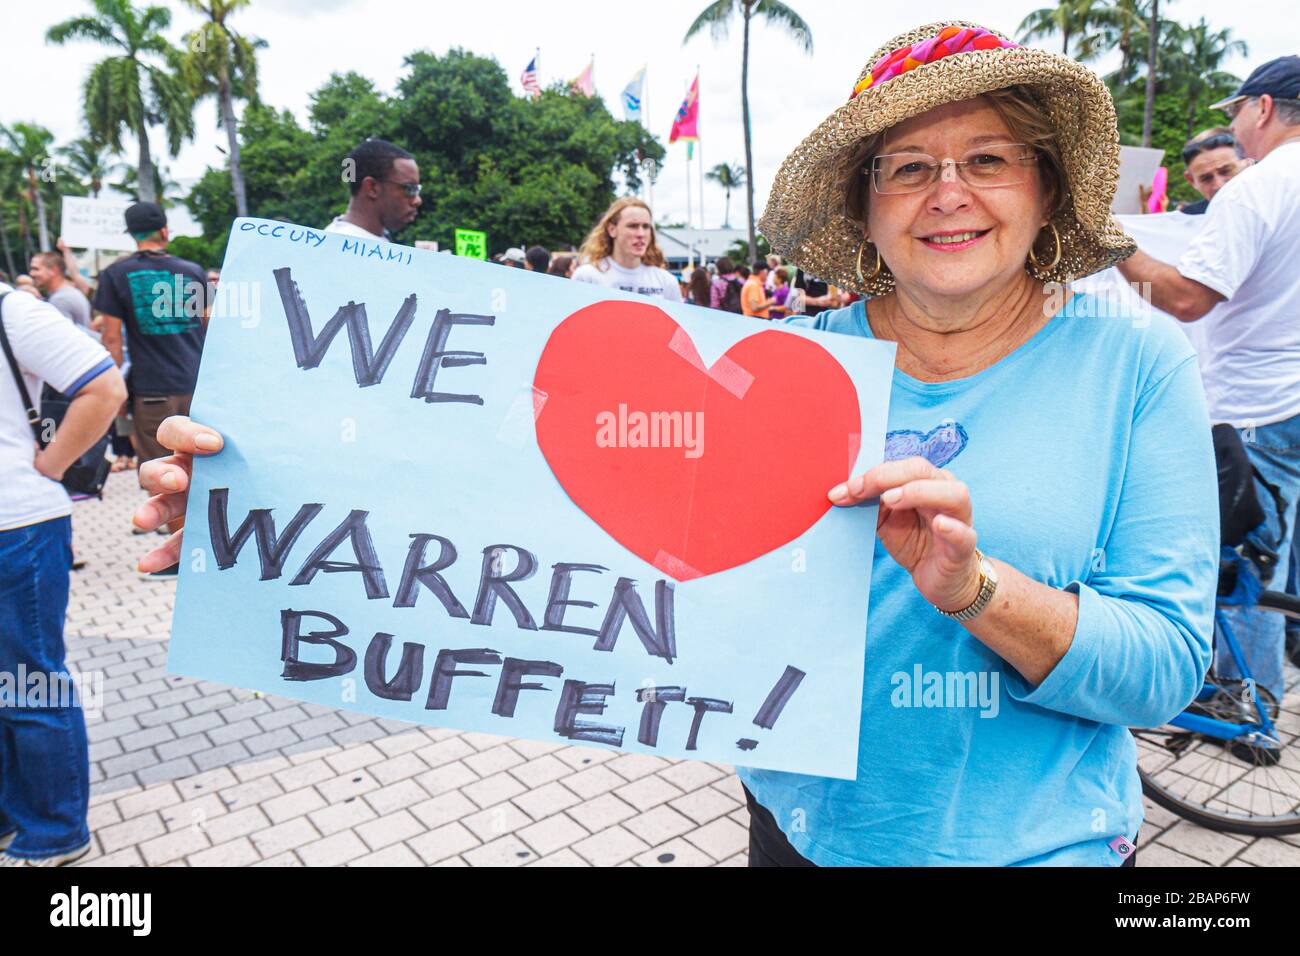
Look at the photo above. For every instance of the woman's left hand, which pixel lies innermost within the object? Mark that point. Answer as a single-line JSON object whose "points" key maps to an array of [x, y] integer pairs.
{"points": [[924, 524]]}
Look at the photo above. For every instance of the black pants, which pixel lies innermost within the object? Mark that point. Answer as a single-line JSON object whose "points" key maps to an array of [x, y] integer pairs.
{"points": [[768, 846]]}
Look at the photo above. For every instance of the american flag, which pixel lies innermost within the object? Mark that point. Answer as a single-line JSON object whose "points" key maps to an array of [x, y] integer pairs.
{"points": [[529, 78]]}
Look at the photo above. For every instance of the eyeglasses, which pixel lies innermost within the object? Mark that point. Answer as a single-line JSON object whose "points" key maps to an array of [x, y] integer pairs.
{"points": [[1217, 141], [411, 189], [985, 167], [1232, 109]]}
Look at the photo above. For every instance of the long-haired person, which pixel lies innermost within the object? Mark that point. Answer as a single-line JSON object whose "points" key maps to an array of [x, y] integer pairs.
{"points": [[699, 287], [621, 253]]}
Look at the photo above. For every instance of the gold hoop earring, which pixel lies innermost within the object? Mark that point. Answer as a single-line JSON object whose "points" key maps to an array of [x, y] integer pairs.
{"points": [[874, 272], [1055, 259]]}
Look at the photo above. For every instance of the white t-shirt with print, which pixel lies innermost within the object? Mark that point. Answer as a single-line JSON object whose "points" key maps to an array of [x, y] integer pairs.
{"points": [[51, 349], [644, 279], [1247, 252]]}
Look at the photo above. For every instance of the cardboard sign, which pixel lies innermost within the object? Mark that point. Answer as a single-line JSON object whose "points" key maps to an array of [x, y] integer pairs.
{"points": [[1137, 169], [500, 501], [90, 223], [1165, 236], [471, 244]]}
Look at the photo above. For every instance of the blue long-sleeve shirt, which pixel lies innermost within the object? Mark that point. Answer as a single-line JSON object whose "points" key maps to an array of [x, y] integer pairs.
{"points": [[1088, 456]]}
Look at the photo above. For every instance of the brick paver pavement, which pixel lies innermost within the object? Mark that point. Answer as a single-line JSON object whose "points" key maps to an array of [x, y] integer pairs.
{"points": [[186, 772]]}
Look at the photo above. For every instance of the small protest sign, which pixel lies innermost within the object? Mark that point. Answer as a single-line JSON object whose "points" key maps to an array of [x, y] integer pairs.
{"points": [[499, 501], [95, 223], [471, 244]]}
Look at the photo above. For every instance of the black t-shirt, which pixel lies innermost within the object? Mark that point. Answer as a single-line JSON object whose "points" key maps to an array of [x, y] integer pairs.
{"points": [[1196, 208], [161, 299]]}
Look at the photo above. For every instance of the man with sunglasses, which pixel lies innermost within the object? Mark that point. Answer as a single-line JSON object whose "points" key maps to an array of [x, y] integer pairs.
{"points": [[385, 185], [1210, 159], [1243, 260]]}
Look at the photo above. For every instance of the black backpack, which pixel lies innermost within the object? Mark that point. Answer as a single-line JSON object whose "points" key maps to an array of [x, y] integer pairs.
{"points": [[731, 298], [1240, 511]]}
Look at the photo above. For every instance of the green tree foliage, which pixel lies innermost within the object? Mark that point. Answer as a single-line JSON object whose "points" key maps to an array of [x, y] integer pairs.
{"points": [[522, 170], [1169, 131], [30, 144], [1074, 21]]}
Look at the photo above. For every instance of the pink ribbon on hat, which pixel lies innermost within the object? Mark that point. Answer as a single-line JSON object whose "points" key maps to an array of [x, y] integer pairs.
{"points": [[949, 40]]}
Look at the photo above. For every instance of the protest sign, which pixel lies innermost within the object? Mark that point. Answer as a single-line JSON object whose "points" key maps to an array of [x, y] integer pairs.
{"points": [[1166, 237], [483, 498], [471, 244], [90, 223], [1137, 169]]}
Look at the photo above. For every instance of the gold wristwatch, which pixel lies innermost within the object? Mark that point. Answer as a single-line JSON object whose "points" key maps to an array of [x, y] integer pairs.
{"points": [[988, 585]]}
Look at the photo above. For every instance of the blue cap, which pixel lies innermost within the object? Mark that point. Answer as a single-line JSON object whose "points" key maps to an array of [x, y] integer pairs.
{"points": [[1278, 78]]}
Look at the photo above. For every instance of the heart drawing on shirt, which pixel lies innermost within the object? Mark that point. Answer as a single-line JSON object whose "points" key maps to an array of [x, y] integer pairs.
{"points": [[938, 446], [693, 468]]}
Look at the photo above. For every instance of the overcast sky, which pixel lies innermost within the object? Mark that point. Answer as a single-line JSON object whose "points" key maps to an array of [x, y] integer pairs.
{"points": [[789, 92]]}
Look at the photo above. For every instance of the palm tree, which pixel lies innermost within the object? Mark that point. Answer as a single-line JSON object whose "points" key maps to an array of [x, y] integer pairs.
{"points": [[1153, 44], [10, 182], [87, 160], [31, 143], [166, 190], [1122, 25], [137, 87], [222, 63], [1070, 19], [729, 178], [717, 17], [1195, 60]]}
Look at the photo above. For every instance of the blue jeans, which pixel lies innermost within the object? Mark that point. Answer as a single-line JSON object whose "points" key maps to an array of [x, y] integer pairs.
{"points": [[1275, 451], [44, 763]]}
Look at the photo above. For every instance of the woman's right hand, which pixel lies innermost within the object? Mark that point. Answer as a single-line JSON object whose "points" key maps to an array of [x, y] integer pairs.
{"points": [[168, 480]]}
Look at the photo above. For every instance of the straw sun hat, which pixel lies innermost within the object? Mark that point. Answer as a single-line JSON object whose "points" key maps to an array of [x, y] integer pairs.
{"points": [[915, 72]]}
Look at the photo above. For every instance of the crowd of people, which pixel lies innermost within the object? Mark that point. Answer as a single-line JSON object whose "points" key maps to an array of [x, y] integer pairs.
{"points": [[1070, 435]]}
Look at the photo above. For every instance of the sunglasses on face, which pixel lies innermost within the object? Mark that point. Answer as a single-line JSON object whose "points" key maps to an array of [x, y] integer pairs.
{"points": [[1217, 141], [411, 189]]}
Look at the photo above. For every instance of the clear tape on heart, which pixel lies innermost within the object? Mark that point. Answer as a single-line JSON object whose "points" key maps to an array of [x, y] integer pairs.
{"points": [[725, 371], [516, 429], [675, 567], [855, 444]]}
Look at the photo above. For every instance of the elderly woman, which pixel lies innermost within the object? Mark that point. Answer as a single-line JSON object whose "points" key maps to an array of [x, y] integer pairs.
{"points": [[964, 180]]}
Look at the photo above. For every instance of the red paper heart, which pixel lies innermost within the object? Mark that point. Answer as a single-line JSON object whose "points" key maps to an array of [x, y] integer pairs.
{"points": [[780, 427]]}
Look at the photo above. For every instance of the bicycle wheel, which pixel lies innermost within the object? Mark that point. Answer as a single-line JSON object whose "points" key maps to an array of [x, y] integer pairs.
{"points": [[1249, 787]]}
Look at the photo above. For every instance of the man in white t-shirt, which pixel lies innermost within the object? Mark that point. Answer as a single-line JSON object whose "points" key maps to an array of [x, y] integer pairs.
{"points": [[44, 767], [621, 253], [384, 182], [1244, 261]]}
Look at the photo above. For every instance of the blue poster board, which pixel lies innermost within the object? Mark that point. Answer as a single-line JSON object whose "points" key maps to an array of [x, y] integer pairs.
{"points": [[415, 516]]}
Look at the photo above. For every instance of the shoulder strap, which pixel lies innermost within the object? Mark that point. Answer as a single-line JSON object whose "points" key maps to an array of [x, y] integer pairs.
{"points": [[33, 416]]}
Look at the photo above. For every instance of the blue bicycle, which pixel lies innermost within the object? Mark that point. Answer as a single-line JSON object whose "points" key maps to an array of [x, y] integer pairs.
{"points": [[1231, 760]]}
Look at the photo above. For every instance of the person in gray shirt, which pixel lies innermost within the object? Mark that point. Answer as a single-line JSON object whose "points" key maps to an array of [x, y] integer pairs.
{"points": [[49, 272]]}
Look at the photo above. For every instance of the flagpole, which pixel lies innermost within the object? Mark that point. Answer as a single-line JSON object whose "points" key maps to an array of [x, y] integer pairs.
{"points": [[690, 217], [699, 142], [645, 107]]}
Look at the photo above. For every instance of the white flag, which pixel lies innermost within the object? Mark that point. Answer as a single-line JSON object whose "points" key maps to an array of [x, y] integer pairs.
{"points": [[632, 96]]}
